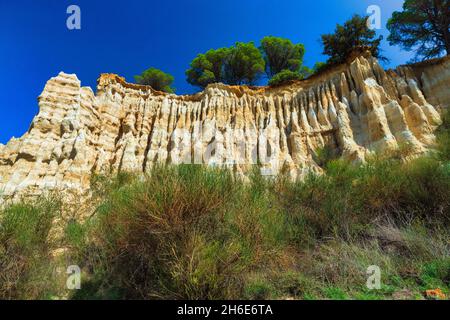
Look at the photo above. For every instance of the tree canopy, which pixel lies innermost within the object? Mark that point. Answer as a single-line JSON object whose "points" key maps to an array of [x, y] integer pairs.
{"points": [[319, 67], [157, 79], [423, 25], [244, 64], [237, 65], [208, 68], [281, 54], [353, 34]]}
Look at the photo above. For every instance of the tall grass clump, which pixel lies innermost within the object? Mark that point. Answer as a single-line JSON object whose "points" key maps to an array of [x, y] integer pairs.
{"points": [[25, 249], [349, 198], [385, 212], [181, 232]]}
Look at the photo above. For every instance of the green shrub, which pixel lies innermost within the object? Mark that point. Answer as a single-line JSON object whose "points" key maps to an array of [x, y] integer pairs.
{"points": [[157, 79], [259, 289], [25, 251], [182, 232], [188, 232], [436, 274], [335, 293], [325, 155], [284, 77], [350, 198], [320, 67]]}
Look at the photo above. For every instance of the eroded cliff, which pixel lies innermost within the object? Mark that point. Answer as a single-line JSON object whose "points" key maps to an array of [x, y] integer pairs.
{"points": [[354, 109]]}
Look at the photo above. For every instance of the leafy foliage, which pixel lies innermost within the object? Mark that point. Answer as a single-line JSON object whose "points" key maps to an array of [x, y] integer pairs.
{"points": [[25, 259], [183, 232], [423, 25], [319, 67], [157, 79], [284, 76], [281, 54], [238, 65], [244, 65], [208, 68], [346, 38]]}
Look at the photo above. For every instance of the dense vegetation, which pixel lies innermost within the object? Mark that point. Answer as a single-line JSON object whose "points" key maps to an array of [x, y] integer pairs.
{"points": [[281, 54], [352, 34], [284, 77], [240, 64], [157, 79], [244, 63], [191, 232], [424, 26], [25, 250], [208, 68]]}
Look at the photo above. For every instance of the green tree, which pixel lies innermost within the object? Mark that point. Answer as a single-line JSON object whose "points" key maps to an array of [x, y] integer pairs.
{"points": [[281, 54], [157, 79], [319, 67], [423, 25], [207, 68], [353, 34], [244, 64]]}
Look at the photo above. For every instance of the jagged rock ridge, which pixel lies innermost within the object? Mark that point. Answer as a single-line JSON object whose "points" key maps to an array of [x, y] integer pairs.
{"points": [[354, 109]]}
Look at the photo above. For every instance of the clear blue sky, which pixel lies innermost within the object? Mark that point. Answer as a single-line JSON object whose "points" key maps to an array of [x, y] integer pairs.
{"points": [[128, 36]]}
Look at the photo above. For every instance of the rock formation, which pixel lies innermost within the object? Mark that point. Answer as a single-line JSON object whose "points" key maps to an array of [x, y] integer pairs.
{"points": [[354, 109]]}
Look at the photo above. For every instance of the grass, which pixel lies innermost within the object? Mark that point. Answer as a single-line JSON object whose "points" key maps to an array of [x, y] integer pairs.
{"points": [[189, 232], [25, 250]]}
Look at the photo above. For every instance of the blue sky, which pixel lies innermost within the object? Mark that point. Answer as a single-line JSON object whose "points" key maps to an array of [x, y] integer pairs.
{"points": [[127, 37]]}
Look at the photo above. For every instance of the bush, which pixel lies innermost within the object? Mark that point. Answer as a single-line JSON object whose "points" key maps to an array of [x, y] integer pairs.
{"points": [[183, 232], [259, 289], [193, 233], [348, 199], [284, 77], [157, 79], [25, 250], [320, 67]]}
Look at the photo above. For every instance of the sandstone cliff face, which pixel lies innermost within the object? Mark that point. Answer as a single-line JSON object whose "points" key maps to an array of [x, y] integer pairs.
{"points": [[354, 109]]}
